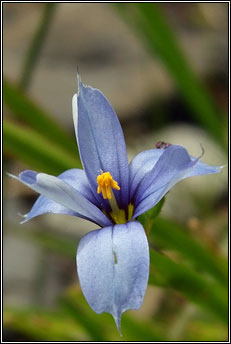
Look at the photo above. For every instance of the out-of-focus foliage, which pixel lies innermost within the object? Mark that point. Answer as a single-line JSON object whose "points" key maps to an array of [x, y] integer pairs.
{"points": [[180, 264], [83, 324], [170, 235], [210, 295], [31, 147], [24, 109], [37, 44], [150, 22]]}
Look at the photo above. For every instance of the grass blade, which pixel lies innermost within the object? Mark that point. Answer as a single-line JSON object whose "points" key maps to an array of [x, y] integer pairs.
{"points": [[208, 295], [37, 44], [149, 21], [35, 151], [27, 111], [168, 234], [43, 325]]}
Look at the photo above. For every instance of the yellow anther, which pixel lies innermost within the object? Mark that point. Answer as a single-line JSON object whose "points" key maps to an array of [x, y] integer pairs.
{"points": [[105, 184]]}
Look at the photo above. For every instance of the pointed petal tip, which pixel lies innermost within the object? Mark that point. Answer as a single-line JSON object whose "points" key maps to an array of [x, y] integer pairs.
{"points": [[220, 168], [24, 218], [22, 222], [27, 176], [77, 71], [81, 86], [117, 318], [11, 175], [79, 82], [78, 79]]}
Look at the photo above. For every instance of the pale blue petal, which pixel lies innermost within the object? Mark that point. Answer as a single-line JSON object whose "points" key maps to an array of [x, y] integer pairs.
{"points": [[44, 205], [171, 167], [113, 268], [74, 177], [100, 140], [174, 165], [201, 169], [145, 161], [60, 192], [140, 165]]}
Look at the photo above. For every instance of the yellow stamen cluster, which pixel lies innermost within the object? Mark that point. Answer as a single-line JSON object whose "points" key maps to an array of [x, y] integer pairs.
{"points": [[105, 184]]}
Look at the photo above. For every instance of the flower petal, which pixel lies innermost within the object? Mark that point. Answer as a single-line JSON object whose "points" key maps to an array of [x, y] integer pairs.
{"points": [[173, 165], [100, 140], [201, 169], [60, 192], [44, 205], [74, 177], [140, 165], [113, 268]]}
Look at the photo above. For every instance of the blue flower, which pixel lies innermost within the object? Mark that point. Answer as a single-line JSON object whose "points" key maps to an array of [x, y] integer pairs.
{"points": [[113, 261]]}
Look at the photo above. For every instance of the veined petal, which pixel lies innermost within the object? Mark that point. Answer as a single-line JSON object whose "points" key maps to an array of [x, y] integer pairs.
{"points": [[44, 205], [140, 165], [201, 169], [145, 161], [75, 178], [113, 268], [60, 192], [100, 140], [173, 165]]}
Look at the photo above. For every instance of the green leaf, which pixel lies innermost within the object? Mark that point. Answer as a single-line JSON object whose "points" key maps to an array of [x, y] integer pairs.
{"points": [[36, 151], [207, 294], [134, 330], [176, 237], [207, 331], [43, 324], [94, 328], [24, 109], [149, 21], [147, 218], [102, 326], [73, 320], [37, 43], [170, 235]]}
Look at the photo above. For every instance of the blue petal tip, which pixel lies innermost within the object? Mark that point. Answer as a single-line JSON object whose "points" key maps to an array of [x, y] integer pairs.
{"points": [[117, 318]]}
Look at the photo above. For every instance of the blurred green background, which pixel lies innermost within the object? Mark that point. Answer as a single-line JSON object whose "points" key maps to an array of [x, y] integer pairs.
{"points": [[164, 67]]}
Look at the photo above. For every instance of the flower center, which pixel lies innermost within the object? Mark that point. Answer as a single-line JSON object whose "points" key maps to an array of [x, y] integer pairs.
{"points": [[105, 185]]}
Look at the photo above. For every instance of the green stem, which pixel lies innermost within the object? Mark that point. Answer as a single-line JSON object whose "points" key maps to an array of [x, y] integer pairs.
{"points": [[36, 45]]}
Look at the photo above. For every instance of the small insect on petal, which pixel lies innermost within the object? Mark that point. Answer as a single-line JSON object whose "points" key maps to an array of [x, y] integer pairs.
{"points": [[162, 144]]}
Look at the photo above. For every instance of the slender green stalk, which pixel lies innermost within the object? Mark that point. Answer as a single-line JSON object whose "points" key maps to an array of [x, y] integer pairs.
{"points": [[37, 44]]}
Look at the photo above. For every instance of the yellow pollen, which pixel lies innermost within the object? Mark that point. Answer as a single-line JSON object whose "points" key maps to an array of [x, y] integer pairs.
{"points": [[105, 184]]}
